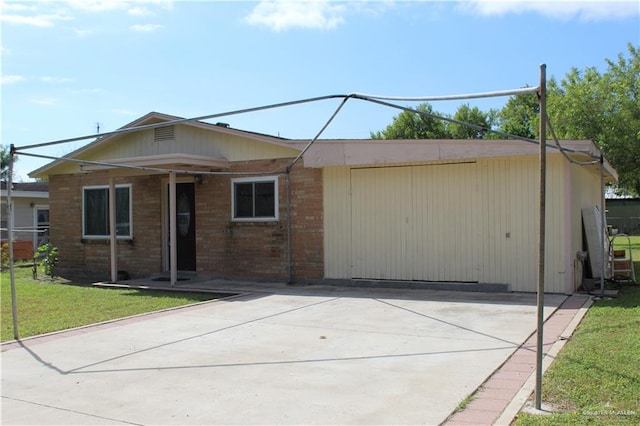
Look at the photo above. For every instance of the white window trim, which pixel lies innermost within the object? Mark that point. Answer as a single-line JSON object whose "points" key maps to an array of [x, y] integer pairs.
{"points": [[36, 235], [106, 237], [273, 179]]}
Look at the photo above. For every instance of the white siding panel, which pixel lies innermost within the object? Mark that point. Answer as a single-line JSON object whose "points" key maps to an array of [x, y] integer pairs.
{"points": [[233, 148], [557, 245], [584, 193], [511, 205], [190, 140], [509, 213], [414, 223], [337, 222], [381, 215], [442, 223], [469, 222]]}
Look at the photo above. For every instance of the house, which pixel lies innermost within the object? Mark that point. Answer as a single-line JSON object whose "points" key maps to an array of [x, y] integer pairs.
{"points": [[238, 205], [30, 216], [623, 215]]}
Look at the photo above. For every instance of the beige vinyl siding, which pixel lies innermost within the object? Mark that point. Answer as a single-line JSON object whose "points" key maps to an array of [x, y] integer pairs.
{"points": [[444, 205], [381, 221], [585, 184], [233, 148], [463, 222], [337, 221], [187, 140], [510, 188]]}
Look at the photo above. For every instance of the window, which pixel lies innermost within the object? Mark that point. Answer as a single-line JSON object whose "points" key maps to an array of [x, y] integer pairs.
{"points": [[41, 224], [255, 199], [95, 211]]}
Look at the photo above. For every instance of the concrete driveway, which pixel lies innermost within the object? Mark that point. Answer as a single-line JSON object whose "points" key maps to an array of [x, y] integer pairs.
{"points": [[303, 356]]}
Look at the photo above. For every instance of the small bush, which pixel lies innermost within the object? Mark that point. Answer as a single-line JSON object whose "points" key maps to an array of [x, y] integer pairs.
{"points": [[45, 256]]}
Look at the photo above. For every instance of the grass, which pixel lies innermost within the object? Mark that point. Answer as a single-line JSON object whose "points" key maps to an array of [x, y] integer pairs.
{"points": [[463, 404], [45, 306], [596, 377]]}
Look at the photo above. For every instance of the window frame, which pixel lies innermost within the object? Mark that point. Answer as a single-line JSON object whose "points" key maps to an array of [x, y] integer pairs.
{"points": [[274, 218], [107, 236]]}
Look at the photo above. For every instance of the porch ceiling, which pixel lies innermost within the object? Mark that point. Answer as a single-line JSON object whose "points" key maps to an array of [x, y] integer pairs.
{"points": [[151, 163]]}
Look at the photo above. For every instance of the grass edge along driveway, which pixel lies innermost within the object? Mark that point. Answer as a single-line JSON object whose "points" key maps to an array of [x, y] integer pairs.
{"points": [[596, 377], [46, 306]]}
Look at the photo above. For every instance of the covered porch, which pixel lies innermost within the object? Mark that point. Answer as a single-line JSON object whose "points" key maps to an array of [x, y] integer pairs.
{"points": [[179, 218]]}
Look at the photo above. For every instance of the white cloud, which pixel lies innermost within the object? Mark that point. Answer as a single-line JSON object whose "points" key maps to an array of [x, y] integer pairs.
{"points": [[50, 79], [81, 33], [46, 14], [93, 91], [139, 11], [145, 28], [282, 15], [11, 79], [19, 7], [585, 10], [38, 20], [110, 5], [97, 5], [44, 101]]}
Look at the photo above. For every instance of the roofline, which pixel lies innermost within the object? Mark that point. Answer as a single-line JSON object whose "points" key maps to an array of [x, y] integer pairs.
{"points": [[139, 122], [25, 194], [350, 152], [313, 157]]}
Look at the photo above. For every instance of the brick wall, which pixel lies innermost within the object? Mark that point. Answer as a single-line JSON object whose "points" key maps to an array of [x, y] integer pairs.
{"points": [[223, 247], [259, 249], [91, 257]]}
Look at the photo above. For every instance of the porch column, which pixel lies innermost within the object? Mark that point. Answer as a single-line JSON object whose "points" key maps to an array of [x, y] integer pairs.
{"points": [[173, 248], [112, 230]]}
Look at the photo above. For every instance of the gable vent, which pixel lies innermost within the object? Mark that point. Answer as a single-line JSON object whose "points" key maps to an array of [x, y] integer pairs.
{"points": [[161, 134]]}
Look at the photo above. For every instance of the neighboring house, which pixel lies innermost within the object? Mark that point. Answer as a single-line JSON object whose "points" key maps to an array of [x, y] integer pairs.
{"points": [[623, 215], [30, 214], [410, 210]]}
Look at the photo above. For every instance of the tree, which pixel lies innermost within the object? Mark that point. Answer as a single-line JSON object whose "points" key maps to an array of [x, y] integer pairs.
{"points": [[473, 116], [586, 104], [520, 116], [606, 109], [410, 125], [4, 162]]}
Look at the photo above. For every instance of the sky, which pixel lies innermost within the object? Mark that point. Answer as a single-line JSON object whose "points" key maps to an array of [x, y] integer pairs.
{"points": [[71, 67]]}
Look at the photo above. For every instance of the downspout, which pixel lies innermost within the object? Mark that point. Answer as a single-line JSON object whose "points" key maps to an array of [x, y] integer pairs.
{"points": [[287, 178]]}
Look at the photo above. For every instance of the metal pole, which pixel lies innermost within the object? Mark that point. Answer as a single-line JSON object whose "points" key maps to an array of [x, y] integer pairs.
{"points": [[541, 232], [497, 93], [173, 247], [113, 239], [603, 224], [14, 304]]}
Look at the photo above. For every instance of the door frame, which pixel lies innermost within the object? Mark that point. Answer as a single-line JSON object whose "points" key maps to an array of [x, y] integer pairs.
{"points": [[164, 189]]}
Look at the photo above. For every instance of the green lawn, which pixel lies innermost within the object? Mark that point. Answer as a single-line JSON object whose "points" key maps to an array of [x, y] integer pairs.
{"points": [[45, 306], [596, 377]]}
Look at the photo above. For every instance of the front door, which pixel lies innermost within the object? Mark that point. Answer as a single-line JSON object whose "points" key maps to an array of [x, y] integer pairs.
{"points": [[186, 226]]}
